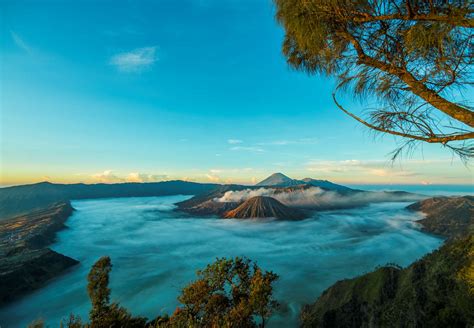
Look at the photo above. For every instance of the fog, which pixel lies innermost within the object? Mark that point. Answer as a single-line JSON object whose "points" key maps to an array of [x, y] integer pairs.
{"points": [[155, 251], [315, 197]]}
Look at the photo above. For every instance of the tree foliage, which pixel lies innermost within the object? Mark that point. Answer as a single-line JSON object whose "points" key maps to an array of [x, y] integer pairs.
{"points": [[104, 314], [228, 293], [414, 57]]}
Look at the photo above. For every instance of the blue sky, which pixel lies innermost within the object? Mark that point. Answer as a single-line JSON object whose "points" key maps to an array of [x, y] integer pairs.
{"points": [[110, 91]]}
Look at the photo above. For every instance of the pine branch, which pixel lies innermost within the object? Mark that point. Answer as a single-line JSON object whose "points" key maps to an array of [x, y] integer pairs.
{"points": [[443, 139], [455, 111]]}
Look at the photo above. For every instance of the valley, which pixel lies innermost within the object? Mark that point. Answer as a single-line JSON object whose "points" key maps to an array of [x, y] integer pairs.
{"points": [[52, 245]]}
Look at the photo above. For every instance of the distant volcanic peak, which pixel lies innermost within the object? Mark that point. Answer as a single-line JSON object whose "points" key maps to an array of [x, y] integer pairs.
{"points": [[279, 179], [264, 207]]}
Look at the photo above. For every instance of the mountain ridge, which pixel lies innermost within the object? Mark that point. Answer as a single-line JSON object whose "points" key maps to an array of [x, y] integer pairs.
{"points": [[17, 200], [446, 216], [280, 180]]}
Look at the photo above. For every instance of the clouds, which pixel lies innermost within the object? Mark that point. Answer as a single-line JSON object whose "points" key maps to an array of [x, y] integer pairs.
{"points": [[108, 176], [228, 175], [213, 177], [144, 177], [135, 60], [20, 42], [253, 149], [354, 167], [234, 141], [317, 198], [285, 142], [237, 146], [258, 147]]}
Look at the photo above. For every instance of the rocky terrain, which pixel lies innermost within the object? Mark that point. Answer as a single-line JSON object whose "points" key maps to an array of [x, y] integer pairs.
{"points": [[447, 216], [25, 261], [264, 207], [435, 291]]}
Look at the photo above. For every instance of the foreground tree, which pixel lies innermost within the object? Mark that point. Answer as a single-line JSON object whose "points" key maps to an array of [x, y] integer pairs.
{"points": [[103, 314], [227, 293], [413, 56]]}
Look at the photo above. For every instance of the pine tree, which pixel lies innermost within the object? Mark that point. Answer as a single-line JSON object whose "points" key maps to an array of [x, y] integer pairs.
{"points": [[413, 56]]}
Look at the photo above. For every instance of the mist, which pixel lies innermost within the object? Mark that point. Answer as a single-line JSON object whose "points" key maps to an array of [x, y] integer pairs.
{"points": [[156, 251], [315, 197]]}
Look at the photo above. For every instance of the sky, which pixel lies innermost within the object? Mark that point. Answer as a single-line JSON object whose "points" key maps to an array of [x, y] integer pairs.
{"points": [[115, 91]]}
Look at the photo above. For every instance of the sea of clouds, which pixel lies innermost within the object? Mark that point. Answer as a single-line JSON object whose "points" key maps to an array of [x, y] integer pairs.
{"points": [[156, 251], [315, 197]]}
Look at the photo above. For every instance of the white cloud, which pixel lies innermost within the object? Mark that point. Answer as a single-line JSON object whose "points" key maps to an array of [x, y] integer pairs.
{"points": [[20, 42], [145, 177], [314, 197], [107, 177], [213, 177], [301, 141], [234, 141], [135, 60], [251, 149], [376, 168]]}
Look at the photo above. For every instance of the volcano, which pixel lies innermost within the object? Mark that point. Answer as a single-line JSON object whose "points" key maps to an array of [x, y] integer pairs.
{"points": [[264, 207]]}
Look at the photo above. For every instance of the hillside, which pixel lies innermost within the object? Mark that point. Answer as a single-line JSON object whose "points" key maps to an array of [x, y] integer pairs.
{"points": [[264, 207], [23, 199], [25, 261], [436, 291], [447, 216]]}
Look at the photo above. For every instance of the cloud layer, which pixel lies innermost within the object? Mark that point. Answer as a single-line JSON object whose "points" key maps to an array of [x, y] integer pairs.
{"points": [[315, 197]]}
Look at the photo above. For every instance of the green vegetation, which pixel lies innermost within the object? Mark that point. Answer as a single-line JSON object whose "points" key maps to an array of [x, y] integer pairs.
{"points": [[436, 291], [450, 217], [228, 293], [103, 314], [412, 56]]}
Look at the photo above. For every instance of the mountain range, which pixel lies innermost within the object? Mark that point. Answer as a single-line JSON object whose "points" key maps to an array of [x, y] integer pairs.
{"points": [[23, 199], [18, 200], [281, 180], [306, 194]]}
